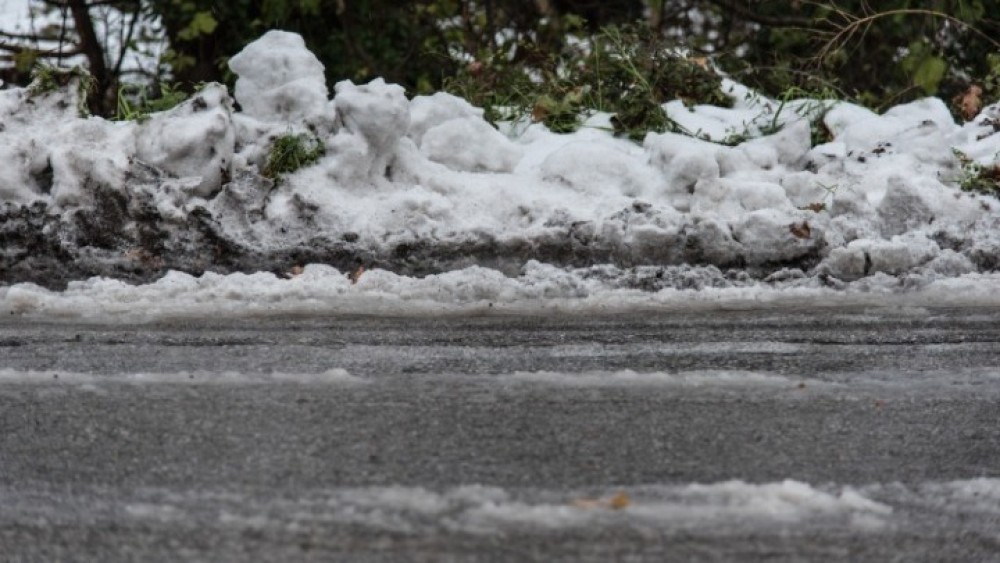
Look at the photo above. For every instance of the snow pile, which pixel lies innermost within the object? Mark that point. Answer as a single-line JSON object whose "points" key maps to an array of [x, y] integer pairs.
{"points": [[691, 508], [424, 185], [539, 290], [705, 510]]}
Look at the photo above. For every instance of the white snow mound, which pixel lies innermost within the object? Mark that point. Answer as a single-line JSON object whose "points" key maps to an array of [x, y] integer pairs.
{"points": [[882, 197]]}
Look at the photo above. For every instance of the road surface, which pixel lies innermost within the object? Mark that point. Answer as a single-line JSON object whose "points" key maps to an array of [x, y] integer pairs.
{"points": [[782, 436]]}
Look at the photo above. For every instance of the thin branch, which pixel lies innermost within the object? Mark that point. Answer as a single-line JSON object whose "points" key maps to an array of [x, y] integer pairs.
{"points": [[48, 54], [30, 37], [126, 41], [863, 24], [63, 28]]}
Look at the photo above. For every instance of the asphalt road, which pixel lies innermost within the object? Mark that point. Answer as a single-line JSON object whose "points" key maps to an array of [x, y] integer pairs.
{"points": [[499, 438]]}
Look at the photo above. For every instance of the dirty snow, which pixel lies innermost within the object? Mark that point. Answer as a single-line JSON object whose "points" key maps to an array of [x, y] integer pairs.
{"points": [[472, 218], [540, 290], [718, 508]]}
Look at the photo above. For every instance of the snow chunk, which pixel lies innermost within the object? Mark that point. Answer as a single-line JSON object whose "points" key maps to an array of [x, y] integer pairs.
{"points": [[427, 112], [98, 155], [374, 117], [772, 235], [861, 130], [595, 168], [731, 199], [196, 138], [864, 257], [786, 147], [449, 144], [843, 115], [901, 254], [279, 79], [903, 208]]}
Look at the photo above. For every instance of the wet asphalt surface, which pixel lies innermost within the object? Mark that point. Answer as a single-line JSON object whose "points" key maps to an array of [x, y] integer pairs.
{"points": [[178, 441]]}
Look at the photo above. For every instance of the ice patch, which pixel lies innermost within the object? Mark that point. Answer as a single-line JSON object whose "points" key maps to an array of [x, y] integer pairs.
{"points": [[693, 508], [331, 376], [711, 378]]}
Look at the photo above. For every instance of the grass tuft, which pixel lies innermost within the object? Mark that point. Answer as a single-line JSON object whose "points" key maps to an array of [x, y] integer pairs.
{"points": [[292, 152]]}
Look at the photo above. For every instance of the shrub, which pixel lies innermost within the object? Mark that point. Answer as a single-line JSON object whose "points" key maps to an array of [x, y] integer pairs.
{"points": [[628, 71]]}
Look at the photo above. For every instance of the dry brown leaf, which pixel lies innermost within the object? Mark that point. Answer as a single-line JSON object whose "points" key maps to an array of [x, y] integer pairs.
{"points": [[800, 230], [586, 503], [814, 207], [356, 274], [970, 102], [619, 501], [700, 61], [539, 113]]}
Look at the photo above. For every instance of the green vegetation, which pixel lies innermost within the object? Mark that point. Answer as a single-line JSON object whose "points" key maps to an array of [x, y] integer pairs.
{"points": [[47, 79], [135, 104], [291, 152], [978, 178], [556, 59], [627, 71]]}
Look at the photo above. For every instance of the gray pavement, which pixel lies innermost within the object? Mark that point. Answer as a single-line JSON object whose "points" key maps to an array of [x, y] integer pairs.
{"points": [[504, 438]]}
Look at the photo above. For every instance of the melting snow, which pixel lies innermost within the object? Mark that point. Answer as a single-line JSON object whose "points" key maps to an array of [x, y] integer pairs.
{"points": [[425, 186]]}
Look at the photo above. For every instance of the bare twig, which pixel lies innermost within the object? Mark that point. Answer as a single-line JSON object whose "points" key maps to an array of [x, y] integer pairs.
{"points": [[41, 53], [854, 24]]}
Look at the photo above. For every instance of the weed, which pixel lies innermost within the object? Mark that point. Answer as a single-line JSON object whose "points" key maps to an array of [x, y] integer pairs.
{"points": [[138, 106], [291, 152], [627, 71], [47, 79], [976, 177], [811, 106]]}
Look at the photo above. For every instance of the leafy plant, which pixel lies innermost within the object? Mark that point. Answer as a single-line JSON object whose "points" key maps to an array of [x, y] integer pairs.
{"points": [[138, 106], [47, 79], [628, 71], [976, 177], [291, 152]]}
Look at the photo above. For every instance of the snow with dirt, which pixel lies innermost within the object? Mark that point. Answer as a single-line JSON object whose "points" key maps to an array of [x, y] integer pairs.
{"points": [[432, 208]]}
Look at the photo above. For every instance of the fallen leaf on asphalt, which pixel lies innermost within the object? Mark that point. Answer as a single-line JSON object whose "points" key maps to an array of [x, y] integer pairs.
{"points": [[619, 501]]}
